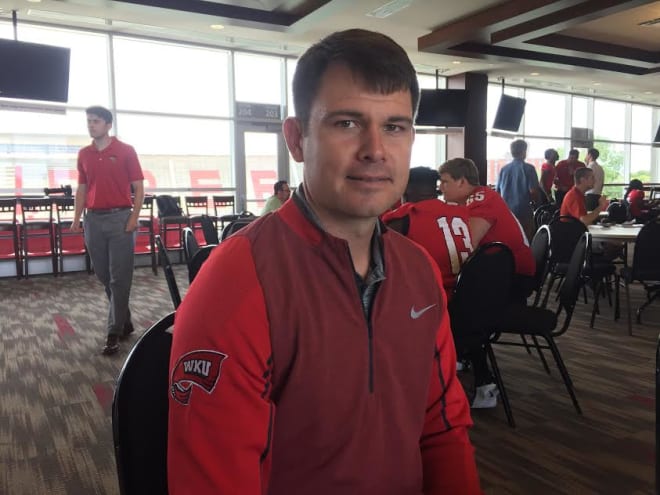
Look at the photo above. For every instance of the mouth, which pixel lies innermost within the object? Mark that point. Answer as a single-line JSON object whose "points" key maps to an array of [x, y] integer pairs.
{"points": [[369, 179]]}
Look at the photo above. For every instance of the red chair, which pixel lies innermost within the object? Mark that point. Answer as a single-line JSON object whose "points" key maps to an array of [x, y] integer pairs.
{"points": [[37, 232], [68, 243], [9, 234]]}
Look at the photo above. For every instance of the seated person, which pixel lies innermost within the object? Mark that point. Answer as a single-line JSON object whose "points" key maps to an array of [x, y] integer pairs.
{"points": [[281, 193], [574, 201], [440, 228], [635, 198], [490, 220]]}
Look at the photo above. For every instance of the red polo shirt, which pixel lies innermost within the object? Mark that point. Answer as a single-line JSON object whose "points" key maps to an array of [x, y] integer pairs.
{"points": [[108, 174], [573, 204]]}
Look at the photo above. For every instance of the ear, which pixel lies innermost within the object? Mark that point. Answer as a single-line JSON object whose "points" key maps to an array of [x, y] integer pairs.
{"points": [[292, 128]]}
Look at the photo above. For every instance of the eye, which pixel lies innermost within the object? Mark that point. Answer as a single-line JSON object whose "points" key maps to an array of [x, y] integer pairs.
{"points": [[345, 124]]}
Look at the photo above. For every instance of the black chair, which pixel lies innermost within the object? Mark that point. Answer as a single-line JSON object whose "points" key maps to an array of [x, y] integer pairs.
{"points": [[645, 269], [236, 225], [169, 273], [196, 207], [565, 232], [209, 229], [190, 244], [540, 246], [541, 322], [9, 234], [598, 273], [544, 214], [198, 260], [140, 413], [483, 288], [145, 235], [221, 207]]}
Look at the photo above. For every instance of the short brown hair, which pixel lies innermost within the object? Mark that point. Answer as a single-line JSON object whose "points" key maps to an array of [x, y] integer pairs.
{"points": [[101, 112], [461, 168]]}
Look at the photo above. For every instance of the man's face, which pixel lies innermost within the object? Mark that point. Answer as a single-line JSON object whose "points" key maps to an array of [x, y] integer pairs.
{"points": [[284, 194], [587, 182], [357, 148], [97, 127], [454, 190]]}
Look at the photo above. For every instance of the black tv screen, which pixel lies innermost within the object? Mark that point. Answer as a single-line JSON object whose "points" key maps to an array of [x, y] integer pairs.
{"points": [[657, 136], [443, 107], [509, 113], [32, 71]]}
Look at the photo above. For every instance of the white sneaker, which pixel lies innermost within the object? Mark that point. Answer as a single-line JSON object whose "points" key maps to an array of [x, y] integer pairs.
{"points": [[485, 397]]}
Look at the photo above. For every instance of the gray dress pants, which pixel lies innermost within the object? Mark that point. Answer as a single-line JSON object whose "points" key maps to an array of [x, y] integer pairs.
{"points": [[111, 250]]}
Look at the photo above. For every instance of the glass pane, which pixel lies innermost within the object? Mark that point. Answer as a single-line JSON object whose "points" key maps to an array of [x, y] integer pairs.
{"points": [[642, 130], [609, 120], [176, 79], [536, 150], [257, 78], [88, 70], [290, 71], [180, 152], [499, 154], [427, 81], [580, 111], [428, 151], [640, 163], [611, 158], [260, 167], [541, 122]]}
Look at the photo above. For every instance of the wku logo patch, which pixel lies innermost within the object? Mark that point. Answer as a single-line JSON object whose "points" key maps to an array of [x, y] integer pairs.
{"points": [[200, 368]]}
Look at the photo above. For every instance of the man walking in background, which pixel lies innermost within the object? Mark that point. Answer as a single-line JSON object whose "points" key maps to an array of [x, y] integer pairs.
{"points": [[518, 185], [108, 170]]}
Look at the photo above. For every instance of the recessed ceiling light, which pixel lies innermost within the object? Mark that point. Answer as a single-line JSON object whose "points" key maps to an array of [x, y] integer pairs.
{"points": [[648, 92], [217, 26], [456, 62], [534, 73], [34, 1], [595, 83]]}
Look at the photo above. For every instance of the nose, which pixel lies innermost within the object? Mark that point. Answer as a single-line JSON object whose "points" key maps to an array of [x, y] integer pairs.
{"points": [[372, 147]]}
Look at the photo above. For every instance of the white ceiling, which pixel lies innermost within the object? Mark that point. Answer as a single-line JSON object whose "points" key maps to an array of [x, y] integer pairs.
{"points": [[418, 18]]}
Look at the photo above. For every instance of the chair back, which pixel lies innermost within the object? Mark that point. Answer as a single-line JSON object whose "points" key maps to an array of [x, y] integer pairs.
{"points": [[198, 260], [140, 413], [617, 212], [541, 250], [544, 214], [236, 225], [222, 204], [37, 212], [646, 259], [573, 280], [197, 205], [169, 272], [483, 288], [8, 211], [209, 230], [190, 244], [168, 206], [565, 232]]}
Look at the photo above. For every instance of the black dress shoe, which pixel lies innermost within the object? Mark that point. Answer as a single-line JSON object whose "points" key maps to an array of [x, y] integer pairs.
{"points": [[128, 329], [111, 345]]}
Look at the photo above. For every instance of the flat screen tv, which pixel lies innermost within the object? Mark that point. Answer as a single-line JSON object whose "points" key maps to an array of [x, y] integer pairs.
{"points": [[31, 71], [443, 107], [657, 136], [509, 113]]}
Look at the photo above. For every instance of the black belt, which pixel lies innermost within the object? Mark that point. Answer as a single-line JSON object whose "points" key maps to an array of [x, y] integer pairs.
{"points": [[106, 211]]}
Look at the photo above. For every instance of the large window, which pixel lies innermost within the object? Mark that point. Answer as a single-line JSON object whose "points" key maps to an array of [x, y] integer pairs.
{"points": [[545, 114]]}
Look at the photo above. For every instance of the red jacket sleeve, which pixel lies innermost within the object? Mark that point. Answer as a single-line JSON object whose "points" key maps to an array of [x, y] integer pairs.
{"points": [[447, 454], [220, 414]]}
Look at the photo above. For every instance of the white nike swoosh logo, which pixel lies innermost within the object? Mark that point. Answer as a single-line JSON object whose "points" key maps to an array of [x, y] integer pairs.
{"points": [[416, 314]]}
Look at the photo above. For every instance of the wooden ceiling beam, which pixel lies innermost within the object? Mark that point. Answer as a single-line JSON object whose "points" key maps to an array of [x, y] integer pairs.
{"points": [[563, 19]]}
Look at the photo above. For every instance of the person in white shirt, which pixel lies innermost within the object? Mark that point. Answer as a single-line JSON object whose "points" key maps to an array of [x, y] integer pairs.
{"points": [[593, 195]]}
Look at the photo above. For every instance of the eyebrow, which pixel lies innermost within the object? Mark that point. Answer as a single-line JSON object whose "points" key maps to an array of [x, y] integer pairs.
{"points": [[360, 115]]}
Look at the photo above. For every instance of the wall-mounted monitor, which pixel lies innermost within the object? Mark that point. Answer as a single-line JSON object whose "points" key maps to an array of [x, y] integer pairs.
{"points": [[30, 71], [443, 107], [509, 113]]}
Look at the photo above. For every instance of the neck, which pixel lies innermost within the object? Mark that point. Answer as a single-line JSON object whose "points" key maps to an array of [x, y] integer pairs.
{"points": [[102, 142]]}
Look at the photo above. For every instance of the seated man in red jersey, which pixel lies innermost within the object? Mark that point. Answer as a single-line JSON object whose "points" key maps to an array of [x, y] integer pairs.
{"points": [[442, 229], [574, 201], [490, 218]]}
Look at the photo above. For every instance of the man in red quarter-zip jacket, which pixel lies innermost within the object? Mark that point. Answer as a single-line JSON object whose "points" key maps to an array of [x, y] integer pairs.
{"points": [[313, 354]]}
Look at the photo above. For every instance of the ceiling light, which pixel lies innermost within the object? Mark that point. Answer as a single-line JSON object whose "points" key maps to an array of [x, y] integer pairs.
{"points": [[595, 83], [34, 1], [217, 26], [534, 73], [389, 8], [648, 92], [456, 62]]}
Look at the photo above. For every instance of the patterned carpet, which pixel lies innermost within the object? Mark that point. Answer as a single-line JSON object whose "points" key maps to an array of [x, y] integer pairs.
{"points": [[56, 392]]}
